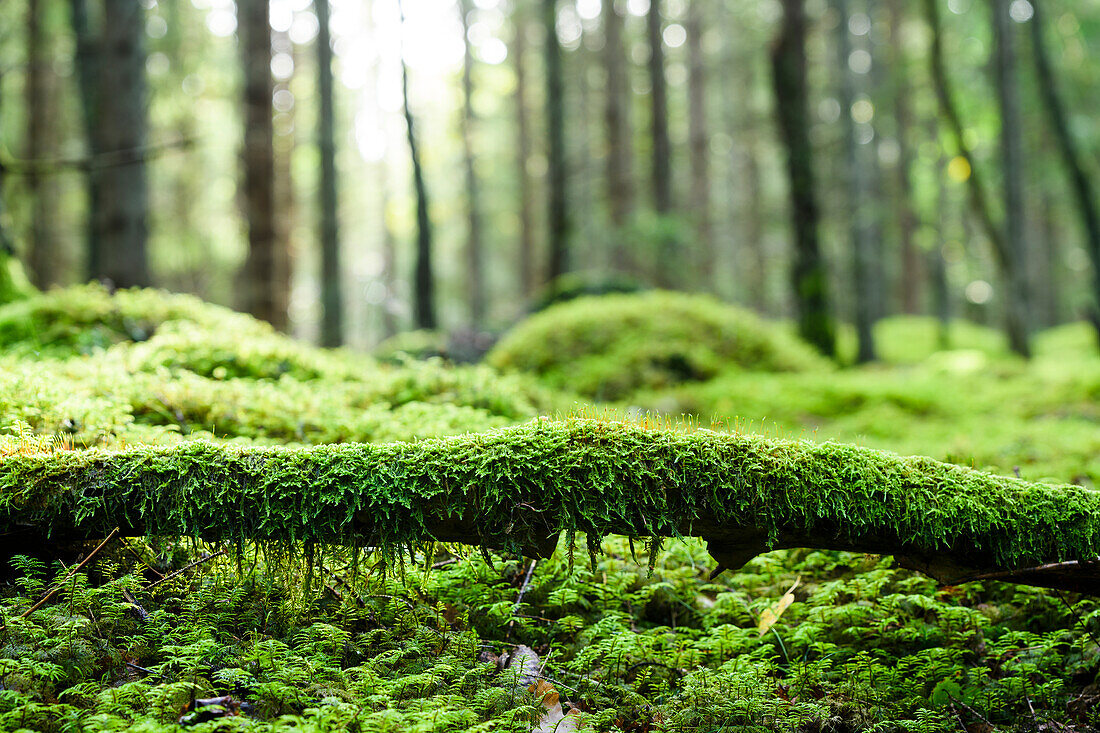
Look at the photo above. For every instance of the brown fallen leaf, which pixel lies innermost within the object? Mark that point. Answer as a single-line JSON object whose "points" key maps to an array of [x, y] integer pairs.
{"points": [[771, 615]]}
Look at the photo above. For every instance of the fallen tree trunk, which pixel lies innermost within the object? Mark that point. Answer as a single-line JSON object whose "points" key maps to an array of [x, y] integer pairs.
{"points": [[519, 488]]}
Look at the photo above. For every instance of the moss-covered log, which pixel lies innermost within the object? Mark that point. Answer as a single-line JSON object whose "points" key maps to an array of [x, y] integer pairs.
{"points": [[518, 488]]}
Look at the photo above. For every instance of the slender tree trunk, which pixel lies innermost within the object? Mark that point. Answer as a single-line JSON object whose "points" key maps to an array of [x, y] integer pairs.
{"points": [[424, 281], [788, 58], [979, 198], [332, 301], [526, 191], [1018, 297], [856, 171], [111, 69], [260, 277], [941, 294], [284, 143], [699, 143], [661, 145], [911, 275], [44, 255], [475, 268], [1083, 191], [619, 171], [555, 120], [7, 247], [754, 228]]}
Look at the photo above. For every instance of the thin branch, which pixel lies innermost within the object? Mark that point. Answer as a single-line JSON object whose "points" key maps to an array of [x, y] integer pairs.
{"points": [[68, 575], [185, 568], [94, 161]]}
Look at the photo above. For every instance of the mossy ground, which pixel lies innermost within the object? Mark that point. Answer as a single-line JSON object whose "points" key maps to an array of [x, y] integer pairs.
{"points": [[323, 640], [606, 347]]}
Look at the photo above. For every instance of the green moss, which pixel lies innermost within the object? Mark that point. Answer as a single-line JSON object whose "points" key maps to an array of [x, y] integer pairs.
{"points": [[518, 485], [88, 318], [609, 346], [912, 339]]}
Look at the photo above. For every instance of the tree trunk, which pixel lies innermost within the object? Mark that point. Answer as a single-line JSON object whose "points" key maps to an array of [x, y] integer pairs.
{"points": [[911, 275], [526, 192], [743, 494], [699, 143], [1018, 295], [44, 258], [260, 277], [856, 184], [661, 168], [979, 199], [111, 69], [332, 301], [1083, 192], [424, 281], [287, 205], [475, 268], [809, 280], [619, 170], [941, 294], [556, 154]]}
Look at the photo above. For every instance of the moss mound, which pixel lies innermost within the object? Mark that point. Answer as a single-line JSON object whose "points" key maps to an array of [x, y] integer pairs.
{"points": [[606, 347], [204, 371], [80, 320]]}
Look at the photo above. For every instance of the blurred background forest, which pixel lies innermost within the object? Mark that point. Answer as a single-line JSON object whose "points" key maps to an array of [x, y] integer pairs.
{"points": [[351, 170]]}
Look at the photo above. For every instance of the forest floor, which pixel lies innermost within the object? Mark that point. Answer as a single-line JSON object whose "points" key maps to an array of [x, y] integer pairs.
{"points": [[157, 633]]}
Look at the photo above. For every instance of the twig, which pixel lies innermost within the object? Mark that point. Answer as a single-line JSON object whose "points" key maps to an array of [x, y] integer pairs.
{"points": [[958, 716], [1077, 617], [131, 665], [68, 575], [140, 558], [185, 568], [1068, 565], [522, 591], [970, 710], [97, 161], [445, 563]]}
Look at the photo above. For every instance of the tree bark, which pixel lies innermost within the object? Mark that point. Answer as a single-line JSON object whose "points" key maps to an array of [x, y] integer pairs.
{"points": [[1080, 182], [1018, 295], [619, 163], [661, 150], [424, 280], [809, 280], [911, 275], [260, 276], [332, 301], [111, 75], [699, 143], [45, 259], [527, 277], [979, 198], [856, 171], [475, 269], [559, 224]]}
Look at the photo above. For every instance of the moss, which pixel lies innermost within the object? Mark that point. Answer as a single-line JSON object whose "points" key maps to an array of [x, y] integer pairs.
{"points": [[517, 486], [608, 346], [84, 319], [912, 339]]}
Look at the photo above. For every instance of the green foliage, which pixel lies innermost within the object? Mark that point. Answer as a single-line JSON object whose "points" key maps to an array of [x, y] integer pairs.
{"points": [[606, 347], [307, 634]]}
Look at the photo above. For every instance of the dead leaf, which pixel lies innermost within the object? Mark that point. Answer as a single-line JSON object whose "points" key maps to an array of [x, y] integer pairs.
{"points": [[771, 615]]}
